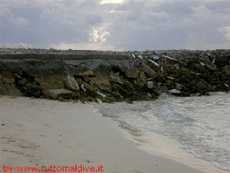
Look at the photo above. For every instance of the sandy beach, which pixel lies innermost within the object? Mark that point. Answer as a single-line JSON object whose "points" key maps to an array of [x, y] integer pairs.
{"points": [[37, 132]]}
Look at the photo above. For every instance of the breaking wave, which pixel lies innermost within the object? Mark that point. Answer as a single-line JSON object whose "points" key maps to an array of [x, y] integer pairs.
{"points": [[200, 124]]}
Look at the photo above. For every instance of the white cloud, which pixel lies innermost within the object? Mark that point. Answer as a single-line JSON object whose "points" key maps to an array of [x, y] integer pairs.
{"points": [[99, 34], [226, 32], [111, 1], [83, 46]]}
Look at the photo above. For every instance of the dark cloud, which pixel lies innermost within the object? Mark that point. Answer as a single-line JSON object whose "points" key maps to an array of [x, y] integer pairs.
{"points": [[132, 24]]}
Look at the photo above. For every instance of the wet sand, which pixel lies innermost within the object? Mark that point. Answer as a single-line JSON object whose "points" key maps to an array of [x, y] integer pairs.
{"points": [[165, 147], [43, 132]]}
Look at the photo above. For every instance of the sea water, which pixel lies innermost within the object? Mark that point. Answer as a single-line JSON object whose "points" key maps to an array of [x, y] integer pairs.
{"points": [[201, 125]]}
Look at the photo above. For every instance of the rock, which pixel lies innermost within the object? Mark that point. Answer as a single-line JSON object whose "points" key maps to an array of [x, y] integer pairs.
{"points": [[170, 58], [90, 90], [174, 91], [112, 97], [211, 66], [179, 86], [56, 93], [201, 63], [154, 63], [116, 78], [131, 73], [99, 101], [100, 74], [161, 89], [102, 83], [17, 76], [27, 85], [116, 95], [101, 94], [150, 84], [198, 94], [10, 89], [71, 83], [2, 86], [83, 87], [61, 99], [227, 69], [150, 72], [50, 81], [149, 95], [142, 79], [222, 60], [86, 73], [170, 77], [8, 80], [123, 90]]}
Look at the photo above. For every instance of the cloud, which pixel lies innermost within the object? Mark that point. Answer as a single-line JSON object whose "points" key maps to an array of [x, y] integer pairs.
{"points": [[111, 1], [226, 32], [116, 24], [83, 46], [99, 34], [6, 14]]}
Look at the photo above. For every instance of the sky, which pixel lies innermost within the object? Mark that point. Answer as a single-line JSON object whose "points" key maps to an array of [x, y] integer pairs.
{"points": [[115, 24]]}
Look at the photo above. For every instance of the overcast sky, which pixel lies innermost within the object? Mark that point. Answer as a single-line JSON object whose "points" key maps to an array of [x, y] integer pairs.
{"points": [[116, 24]]}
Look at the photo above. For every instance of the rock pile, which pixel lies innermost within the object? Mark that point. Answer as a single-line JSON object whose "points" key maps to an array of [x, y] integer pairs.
{"points": [[112, 77]]}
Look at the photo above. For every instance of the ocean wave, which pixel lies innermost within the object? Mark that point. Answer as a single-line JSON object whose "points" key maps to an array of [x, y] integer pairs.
{"points": [[200, 124]]}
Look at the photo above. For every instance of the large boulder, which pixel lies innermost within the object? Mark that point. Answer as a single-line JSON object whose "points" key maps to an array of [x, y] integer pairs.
{"points": [[101, 82], [150, 72], [131, 73], [71, 83], [50, 81], [57, 93]]}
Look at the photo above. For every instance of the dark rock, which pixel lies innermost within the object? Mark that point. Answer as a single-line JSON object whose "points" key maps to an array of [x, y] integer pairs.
{"points": [[88, 72], [90, 89], [101, 82], [27, 85], [211, 66], [226, 69], [131, 72], [179, 86], [119, 76], [161, 89], [150, 72], [142, 79]]}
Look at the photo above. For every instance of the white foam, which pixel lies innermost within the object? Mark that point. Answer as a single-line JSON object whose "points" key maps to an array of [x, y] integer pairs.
{"points": [[199, 124]]}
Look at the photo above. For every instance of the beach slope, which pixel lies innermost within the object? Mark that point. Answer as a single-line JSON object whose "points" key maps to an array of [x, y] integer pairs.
{"points": [[40, 132]]}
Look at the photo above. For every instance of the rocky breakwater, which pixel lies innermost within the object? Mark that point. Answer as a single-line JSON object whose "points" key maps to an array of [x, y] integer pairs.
{"points": [[112, 76]]}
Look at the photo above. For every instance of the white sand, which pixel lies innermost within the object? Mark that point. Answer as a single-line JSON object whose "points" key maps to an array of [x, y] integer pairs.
{"points": [[43, 132]]}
